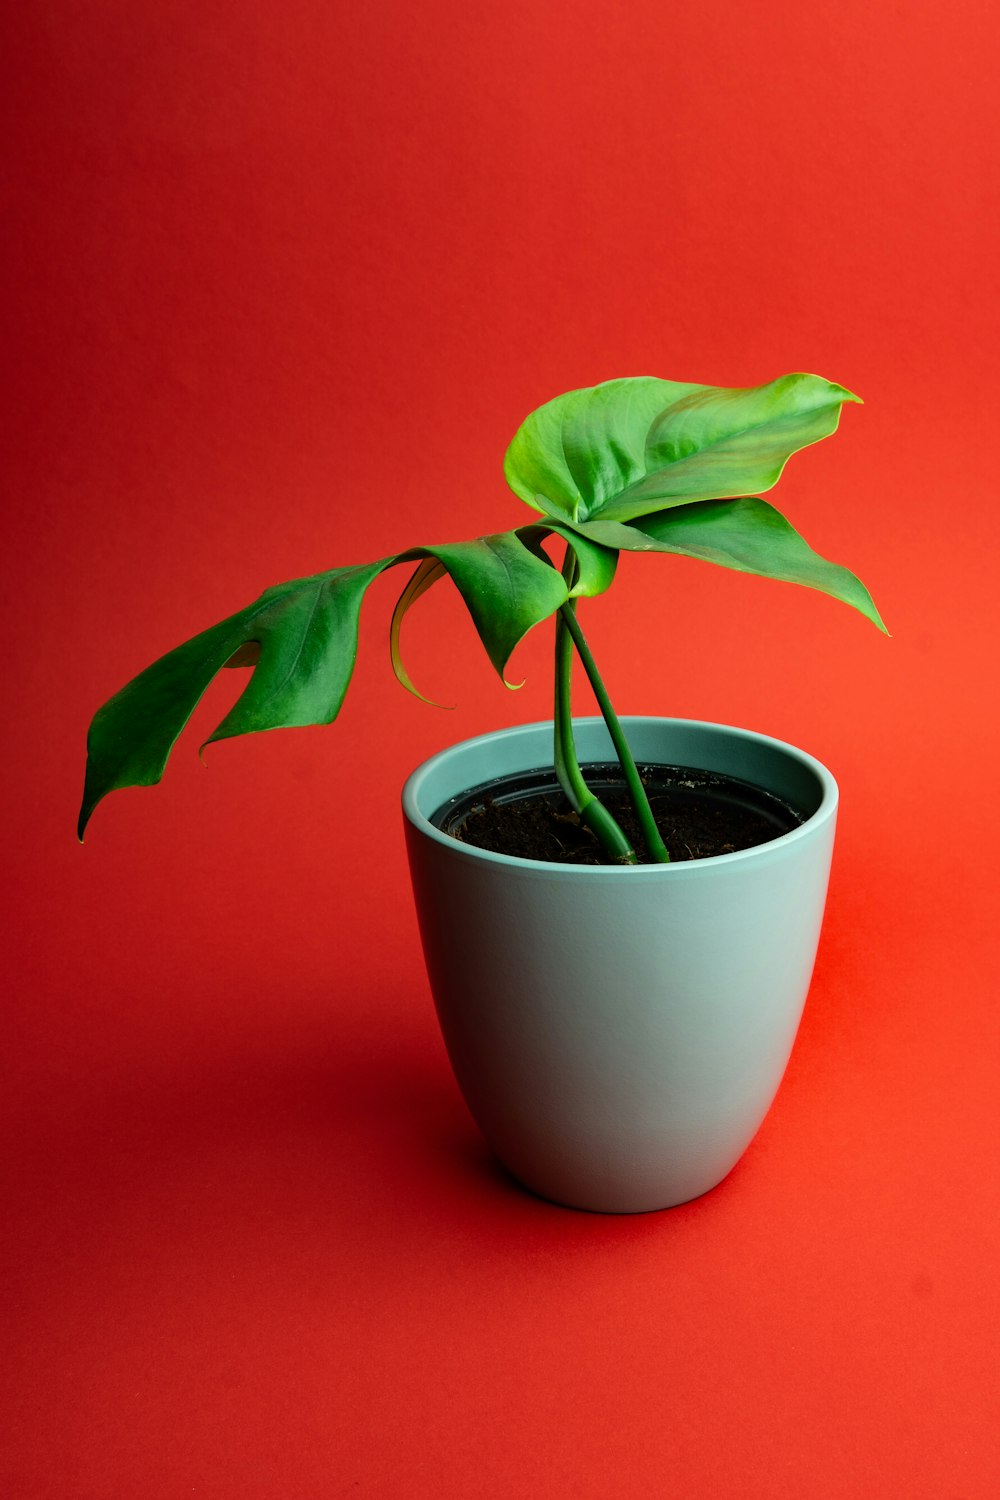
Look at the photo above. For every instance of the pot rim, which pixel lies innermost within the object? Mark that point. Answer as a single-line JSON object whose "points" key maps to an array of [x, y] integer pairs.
{"points": [[416, 781]]}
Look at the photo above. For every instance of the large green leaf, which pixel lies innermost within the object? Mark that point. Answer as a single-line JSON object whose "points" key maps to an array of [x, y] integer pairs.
{"points": [[748, 535], [628, 448], [508, 584], [301, 640], [576, 452]]}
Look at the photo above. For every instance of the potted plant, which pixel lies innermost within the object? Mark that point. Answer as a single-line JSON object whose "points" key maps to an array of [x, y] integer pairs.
{"points": [[619, 1006]]}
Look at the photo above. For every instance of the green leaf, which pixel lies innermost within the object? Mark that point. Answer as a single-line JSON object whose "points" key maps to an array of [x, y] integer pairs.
{"points": [[632, 447], [508, 585], [424, 577], [301, 639], [596, 563], [574, 453], [748, 535], [507, 588], [307, 632]]}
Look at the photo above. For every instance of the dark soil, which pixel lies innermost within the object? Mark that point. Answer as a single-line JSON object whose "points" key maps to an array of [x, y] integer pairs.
{"points": [[699, 814]]}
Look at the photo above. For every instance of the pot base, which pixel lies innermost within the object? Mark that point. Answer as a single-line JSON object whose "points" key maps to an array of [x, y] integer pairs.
{"points": [[616, 1203]]}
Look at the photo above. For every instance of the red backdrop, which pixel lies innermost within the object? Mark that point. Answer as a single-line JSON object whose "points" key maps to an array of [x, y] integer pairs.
{"points": [[285, 280]]}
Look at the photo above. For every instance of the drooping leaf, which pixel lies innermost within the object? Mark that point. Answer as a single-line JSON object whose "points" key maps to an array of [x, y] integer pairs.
{"points": [[629, 448], [301, 640], [307, 632], [748, 535], [507, 588], [508, 585], [425, 575]]}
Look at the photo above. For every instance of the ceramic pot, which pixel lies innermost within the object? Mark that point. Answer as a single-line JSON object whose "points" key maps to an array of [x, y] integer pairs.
{"points": [[619, 1032]]}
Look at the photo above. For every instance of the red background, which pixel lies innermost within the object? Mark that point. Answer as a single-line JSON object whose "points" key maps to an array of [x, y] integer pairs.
{"points": [[285, 280]]}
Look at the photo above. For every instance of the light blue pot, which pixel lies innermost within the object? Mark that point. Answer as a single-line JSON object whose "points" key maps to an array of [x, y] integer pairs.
{"points": [[620, 1032]]}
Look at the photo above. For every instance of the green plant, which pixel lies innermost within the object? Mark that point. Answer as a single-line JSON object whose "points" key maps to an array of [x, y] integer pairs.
{"points": [[637, 465]]}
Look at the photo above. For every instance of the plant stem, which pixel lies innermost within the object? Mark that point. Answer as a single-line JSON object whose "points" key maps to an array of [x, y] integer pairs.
{"points": [[637, 792], [588, 808]]}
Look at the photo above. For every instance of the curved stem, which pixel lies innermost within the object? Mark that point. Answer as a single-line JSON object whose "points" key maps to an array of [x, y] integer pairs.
{"points": [[588, 808], [637, 792]]}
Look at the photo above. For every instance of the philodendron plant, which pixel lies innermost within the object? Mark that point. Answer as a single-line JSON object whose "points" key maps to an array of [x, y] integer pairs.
{"points": [[634, 465]]}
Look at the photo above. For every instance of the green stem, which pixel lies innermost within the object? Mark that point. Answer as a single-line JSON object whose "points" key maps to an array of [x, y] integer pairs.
{"points": [[588, 808], [637, 792]]}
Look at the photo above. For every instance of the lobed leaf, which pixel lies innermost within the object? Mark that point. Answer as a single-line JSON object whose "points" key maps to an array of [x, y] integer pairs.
{"points": [[508, 585], [307, 634], [301, 640]]}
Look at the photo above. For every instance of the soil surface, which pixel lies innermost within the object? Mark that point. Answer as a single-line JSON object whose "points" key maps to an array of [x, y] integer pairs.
{"points": [[699, 815]]}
